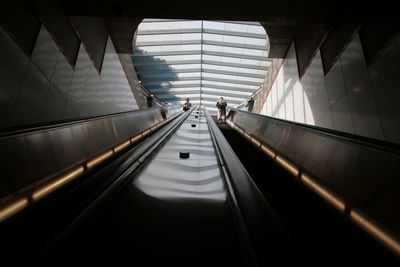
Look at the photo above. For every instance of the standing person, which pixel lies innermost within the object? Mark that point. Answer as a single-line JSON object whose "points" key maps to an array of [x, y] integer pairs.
{"points": [[149, 100], [221, 105], [187, 105]]}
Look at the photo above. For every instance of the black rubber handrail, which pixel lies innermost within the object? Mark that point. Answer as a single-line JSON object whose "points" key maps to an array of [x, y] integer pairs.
{"points": [[37, 127], [133, 164], [270, 242], [348, 137]]}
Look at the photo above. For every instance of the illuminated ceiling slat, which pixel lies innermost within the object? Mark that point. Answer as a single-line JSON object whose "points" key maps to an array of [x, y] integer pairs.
{"points": [[229, 94], [239, 65], [240, 74], [171, 62], [223, 87], [199, 42], [204, 70], [196, 85], [202, 60], [234, 55], [168, 53], [231, 81], [197, 78], [175, 99], [150, 87], [198, 52], [232, 101], [199, 30], [239, 22], [161, 79], [224, 21], [155, 71], [197, 61]]}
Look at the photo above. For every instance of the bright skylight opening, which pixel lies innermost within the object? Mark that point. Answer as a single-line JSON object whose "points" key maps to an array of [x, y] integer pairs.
{"points": [[202, 60]]}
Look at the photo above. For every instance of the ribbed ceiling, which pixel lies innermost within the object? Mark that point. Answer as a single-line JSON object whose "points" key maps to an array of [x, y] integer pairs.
{"points": [[202, 60]]}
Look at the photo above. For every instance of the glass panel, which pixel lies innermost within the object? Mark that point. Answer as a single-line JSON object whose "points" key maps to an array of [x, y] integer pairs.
{"points": [[213, 25], [180, 96], [168, 78], [235, 27], [169, 83], [234, 85], [227, 98], [165, 48], [173, 90], [231, 77], [220, 91], [234, 69], [170, 75]]}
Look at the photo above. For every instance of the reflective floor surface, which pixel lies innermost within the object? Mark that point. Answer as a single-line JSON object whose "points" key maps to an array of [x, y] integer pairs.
{"points": [[175, 212]]}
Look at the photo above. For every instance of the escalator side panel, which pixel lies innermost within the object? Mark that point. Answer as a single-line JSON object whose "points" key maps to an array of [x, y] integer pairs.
{"points": [[174, 212], [364, 175], [322, 235]]}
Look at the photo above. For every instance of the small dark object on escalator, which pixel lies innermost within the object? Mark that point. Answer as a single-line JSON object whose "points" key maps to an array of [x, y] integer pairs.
{"points": [[184, 155]]}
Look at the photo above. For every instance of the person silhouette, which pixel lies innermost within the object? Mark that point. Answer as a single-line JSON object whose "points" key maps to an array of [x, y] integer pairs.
{"points": [[221, 105], [187, 105]]}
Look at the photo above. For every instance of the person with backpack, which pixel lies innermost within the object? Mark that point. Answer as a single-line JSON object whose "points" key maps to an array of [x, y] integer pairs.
{"points": [[221, 105]]}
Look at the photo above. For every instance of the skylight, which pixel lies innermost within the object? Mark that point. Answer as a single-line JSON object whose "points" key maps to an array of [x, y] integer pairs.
{"points": [[202, 60]]}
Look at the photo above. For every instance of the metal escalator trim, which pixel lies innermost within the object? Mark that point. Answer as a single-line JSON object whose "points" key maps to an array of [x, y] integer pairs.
{"points": [[122, 146], [330, 133], [247, 246], [379, 232], [287, 165], [93, 162], [383, 235], [12, 207], [268, 151], [53, 182], [260, 221], [325, 193], [47, 188], [296, 171], [148, 147], [24, 129]]}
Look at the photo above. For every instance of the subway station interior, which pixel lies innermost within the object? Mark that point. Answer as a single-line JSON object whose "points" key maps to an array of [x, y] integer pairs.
{"points": [[102, 166]]}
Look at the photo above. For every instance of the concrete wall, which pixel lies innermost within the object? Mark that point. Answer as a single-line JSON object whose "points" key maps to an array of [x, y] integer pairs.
{"points": [[352, 97], [45, 87]]}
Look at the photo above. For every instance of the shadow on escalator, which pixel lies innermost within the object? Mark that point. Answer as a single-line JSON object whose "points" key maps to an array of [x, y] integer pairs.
{"points": [[322, 235]]}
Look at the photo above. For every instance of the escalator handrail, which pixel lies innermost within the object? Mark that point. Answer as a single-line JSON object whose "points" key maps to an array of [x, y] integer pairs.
{"points": [[37, 127], [330, 133], [134, 162], [261, 222]]}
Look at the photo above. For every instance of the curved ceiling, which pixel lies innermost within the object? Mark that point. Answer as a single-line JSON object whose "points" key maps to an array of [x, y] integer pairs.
{"points": [[202, 60]]}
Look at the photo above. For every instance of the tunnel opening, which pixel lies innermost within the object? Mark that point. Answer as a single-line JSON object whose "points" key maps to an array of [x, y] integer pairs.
{"points": [[201, 60]]}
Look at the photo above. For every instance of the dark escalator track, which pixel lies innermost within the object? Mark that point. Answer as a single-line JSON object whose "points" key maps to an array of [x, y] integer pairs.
{"points": [[172, 212], [322, 235]]}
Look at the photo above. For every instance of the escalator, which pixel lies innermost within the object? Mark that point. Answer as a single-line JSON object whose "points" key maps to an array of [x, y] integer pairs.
{"points": [[173, 212], [154, 205], [181, 197], [321, 234]]}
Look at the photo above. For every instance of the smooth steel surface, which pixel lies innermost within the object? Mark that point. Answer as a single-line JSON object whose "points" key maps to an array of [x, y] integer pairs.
{"points": [[173, 213], [30, 156], [364, 175], [169, 176]]}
